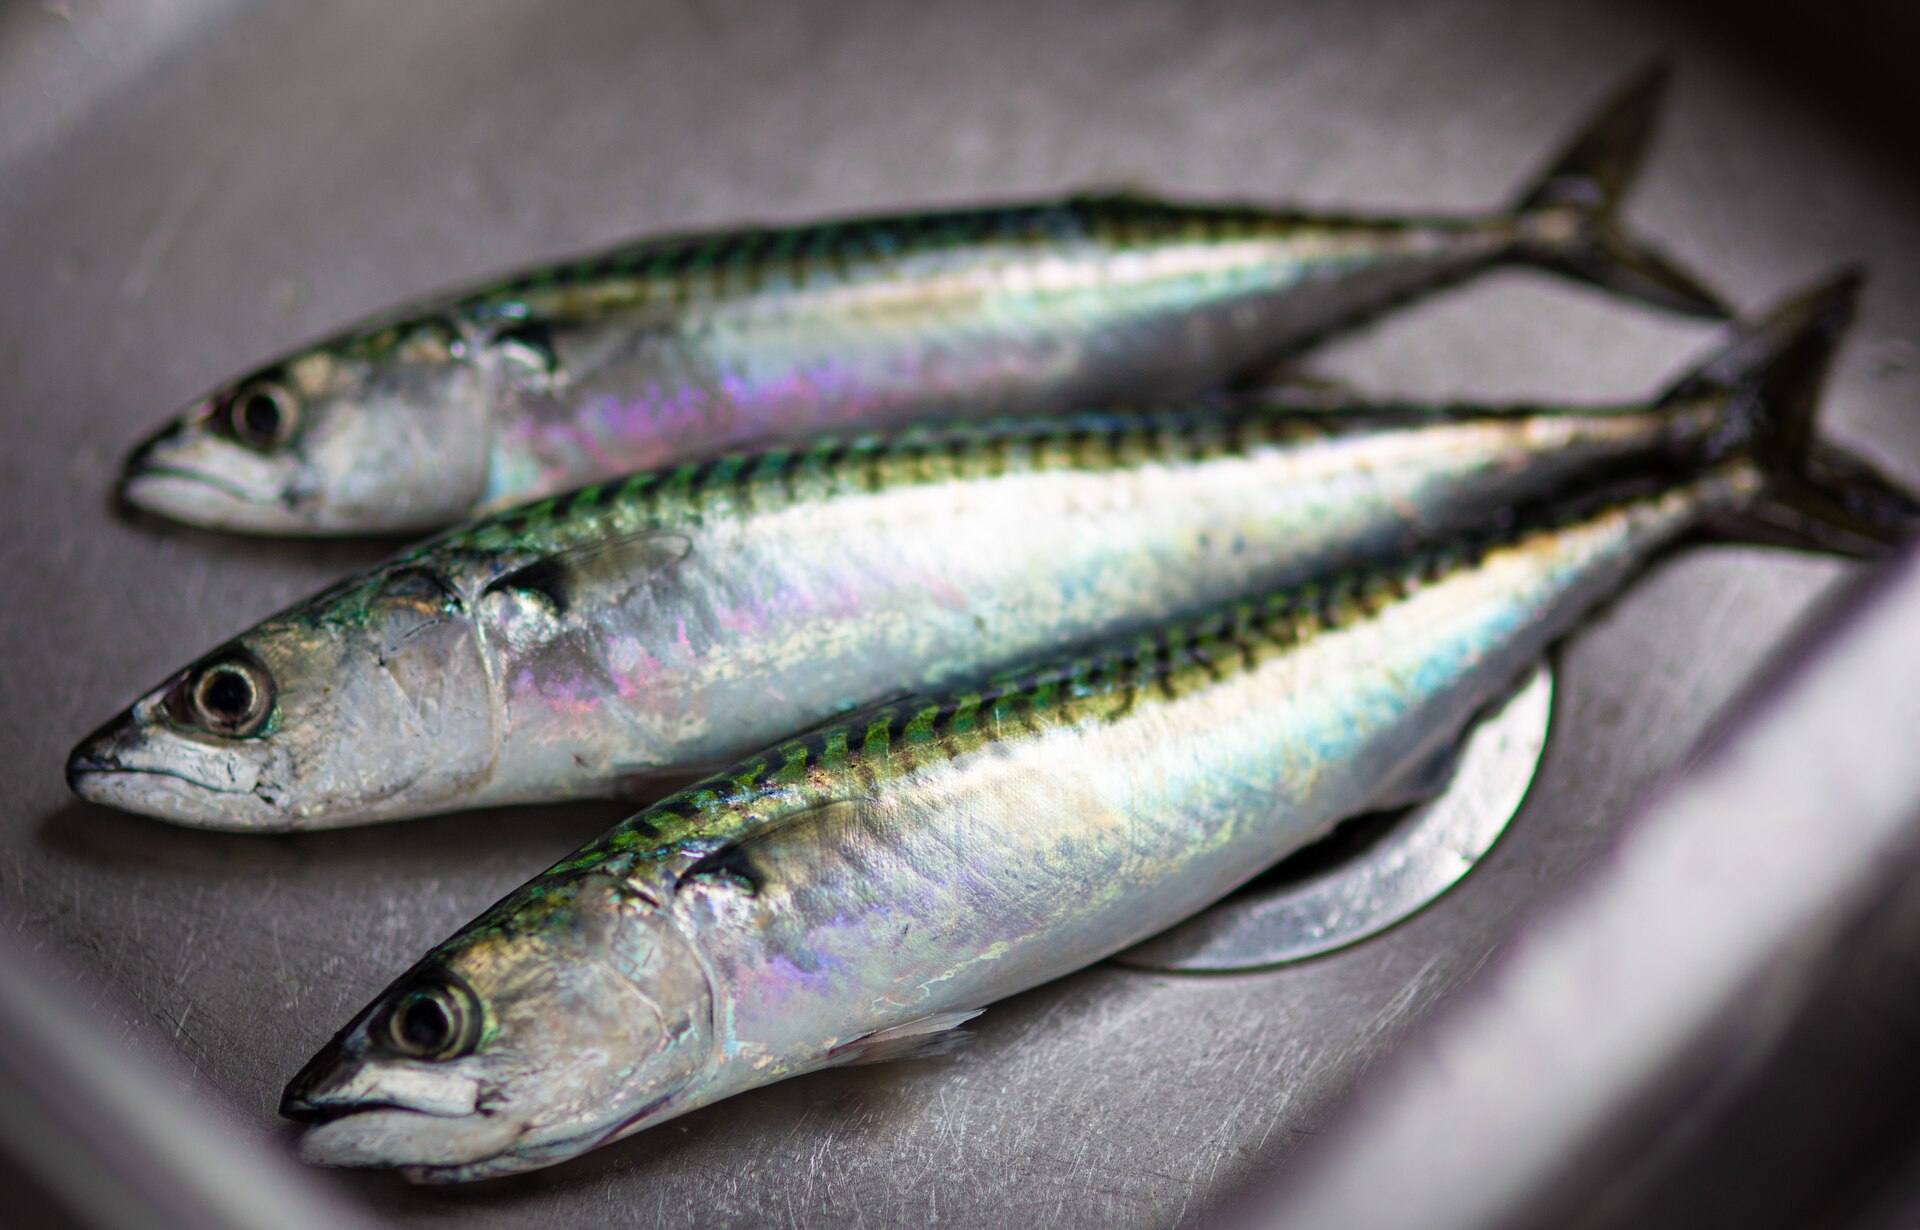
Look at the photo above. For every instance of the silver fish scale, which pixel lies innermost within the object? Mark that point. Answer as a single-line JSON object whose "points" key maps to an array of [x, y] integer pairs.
{"points": [[706, 617], [772, 922]]}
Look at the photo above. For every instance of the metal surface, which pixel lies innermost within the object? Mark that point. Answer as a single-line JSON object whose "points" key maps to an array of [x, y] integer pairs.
{"points": [[1422, 855], [188, 188], [117, 1138]]}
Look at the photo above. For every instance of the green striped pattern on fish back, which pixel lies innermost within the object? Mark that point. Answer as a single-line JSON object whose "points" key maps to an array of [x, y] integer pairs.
{"points": [[723, 264], [859, 755], [691, 494]]}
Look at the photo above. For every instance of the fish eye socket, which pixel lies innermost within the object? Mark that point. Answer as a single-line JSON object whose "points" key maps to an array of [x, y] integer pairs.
{"points": [[435, 338], [231, 697], [530, 343], [435, 1021], [263, 415]]}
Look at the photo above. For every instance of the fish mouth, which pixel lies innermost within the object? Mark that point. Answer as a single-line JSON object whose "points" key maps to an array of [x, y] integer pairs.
{"points": [[349, 1120], [173, 796], [338, 1083], [166, 457], [105, 771], [83, 772], [311, 1111], [299, 1109], [195, 497], [305, 1099], [184, 474], [98, 756], [424, 1146], [142, 476]]}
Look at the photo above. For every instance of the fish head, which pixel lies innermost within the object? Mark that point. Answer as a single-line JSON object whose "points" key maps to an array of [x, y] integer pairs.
{"points": [[575, 1011], [376, 432], [371, 701]]}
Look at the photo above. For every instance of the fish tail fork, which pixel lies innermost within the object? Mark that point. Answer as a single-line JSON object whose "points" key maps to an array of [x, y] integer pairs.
{"points": [[1567, 219], [1815, 495]]}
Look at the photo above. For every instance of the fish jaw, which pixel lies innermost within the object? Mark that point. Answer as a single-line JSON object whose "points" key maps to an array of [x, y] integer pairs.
{"points": [[334, 1085], [428, 1147], [413, 1141], [204, 501], [165, 794], [134, 766], [562, 1044], [189, 473], [392, 1113]]}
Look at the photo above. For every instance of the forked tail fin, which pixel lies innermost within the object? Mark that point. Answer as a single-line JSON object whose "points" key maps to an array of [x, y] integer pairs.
{"points": [[1567, 219], [1817, 495]]}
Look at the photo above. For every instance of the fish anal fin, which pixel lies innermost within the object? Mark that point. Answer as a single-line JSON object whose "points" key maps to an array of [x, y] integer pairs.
{"points": [[927, 1038], [1283, 386]]}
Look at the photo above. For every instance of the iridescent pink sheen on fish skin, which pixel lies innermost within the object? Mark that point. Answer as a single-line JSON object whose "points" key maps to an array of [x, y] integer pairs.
{"points": [[675, 619], [676, 349], [678, 618], [856, 893]]}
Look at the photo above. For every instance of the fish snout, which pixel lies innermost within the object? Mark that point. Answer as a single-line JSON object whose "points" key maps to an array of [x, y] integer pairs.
{"points": [[137, 763], [167, 455], [316, 1091], [101, 753], [152, 453], [343, 1080], [188, 472]]}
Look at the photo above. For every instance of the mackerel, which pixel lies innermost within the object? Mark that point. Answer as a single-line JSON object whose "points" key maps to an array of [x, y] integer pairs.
{"points": [[595, 643], [857, 893], [672, 349]]}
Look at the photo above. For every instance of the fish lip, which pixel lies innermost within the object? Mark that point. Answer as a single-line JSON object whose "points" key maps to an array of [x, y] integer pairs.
{"points": [[191, 497], [321, 1144], [100, 777], [297, 1101], [78, 772], [139, 471], [313, 1096], [80, 763], [301, 1109], [91, 759]]}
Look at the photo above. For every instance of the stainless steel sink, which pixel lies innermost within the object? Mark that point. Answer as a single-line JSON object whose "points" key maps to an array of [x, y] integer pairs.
{"points": [[187, 187]]}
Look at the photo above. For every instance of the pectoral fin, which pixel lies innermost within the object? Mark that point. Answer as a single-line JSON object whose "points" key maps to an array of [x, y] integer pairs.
{"points": [[611, 571], [1419, 780], [927, 1038], [794, 838]]}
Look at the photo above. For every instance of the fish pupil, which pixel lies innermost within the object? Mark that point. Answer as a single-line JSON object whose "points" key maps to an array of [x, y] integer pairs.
{"points": [[261, 413], [228, 696], [423, 1025]]}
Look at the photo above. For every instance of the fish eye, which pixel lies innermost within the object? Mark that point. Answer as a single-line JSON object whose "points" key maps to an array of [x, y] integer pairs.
{"points": [[230, 697], [530, 343], [436, 1020], [263, 414]]}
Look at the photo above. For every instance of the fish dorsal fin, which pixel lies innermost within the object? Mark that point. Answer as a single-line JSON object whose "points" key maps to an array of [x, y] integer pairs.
{"points": [[926, 1038], [1118, 188], [613, 570]]}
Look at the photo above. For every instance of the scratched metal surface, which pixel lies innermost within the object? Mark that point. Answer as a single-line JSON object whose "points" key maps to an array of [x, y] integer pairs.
{"points": [[189, 185]]}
